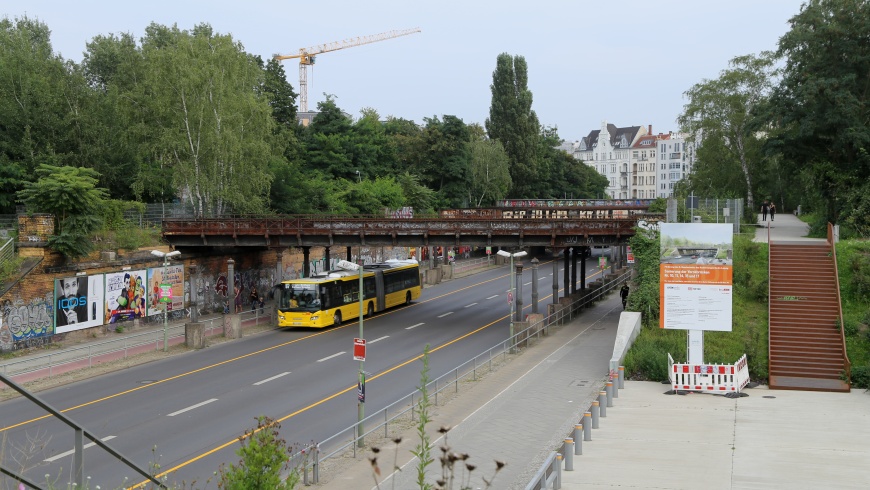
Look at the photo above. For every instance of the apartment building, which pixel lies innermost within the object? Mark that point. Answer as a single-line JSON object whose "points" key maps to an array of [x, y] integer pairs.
{"points": [[637, 163], [644, 167], [674, 161], [608, 151]]}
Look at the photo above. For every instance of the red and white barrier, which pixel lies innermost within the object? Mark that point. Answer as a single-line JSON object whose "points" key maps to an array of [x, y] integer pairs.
{"points": [[709, 378]]}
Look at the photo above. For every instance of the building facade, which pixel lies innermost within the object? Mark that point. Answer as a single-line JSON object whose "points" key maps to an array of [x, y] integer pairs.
{"points": [[608, 151], [637, 163]]}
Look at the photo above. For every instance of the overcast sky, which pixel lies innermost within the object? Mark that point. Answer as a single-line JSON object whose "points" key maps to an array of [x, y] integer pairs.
{"points": [[626, 62]]}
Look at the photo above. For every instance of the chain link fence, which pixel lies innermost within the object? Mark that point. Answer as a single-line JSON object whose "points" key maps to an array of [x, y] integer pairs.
{"points": [[706, 210]]}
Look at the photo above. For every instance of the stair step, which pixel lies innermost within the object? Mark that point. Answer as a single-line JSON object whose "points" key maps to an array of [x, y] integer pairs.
{"points": [[782, 382]]}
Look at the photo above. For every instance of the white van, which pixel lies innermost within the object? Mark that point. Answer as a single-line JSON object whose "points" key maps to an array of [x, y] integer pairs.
{"points": [[600, 250]]}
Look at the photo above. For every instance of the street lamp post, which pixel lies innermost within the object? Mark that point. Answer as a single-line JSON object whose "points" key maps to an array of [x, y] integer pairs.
{"points": [[513, 290], [165, 256], [350, 266]]}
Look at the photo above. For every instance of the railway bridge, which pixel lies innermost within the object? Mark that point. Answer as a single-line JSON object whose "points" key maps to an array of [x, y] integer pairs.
{"points": [[564, 226]]}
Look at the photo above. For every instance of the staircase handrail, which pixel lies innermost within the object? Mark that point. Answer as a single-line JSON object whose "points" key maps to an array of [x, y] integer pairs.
{"points": [[847, 365], [769, 269]]}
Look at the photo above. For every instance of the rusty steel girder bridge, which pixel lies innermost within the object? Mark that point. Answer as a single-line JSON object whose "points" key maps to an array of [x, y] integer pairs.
{"points": [[484, 227]]}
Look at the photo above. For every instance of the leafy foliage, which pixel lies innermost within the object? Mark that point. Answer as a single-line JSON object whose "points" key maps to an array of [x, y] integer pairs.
{"points": [[71, 195], [819, 111], [264, 456]]}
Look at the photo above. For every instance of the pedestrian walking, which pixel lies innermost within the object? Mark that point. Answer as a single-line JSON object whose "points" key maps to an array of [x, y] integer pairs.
{"points": [[255, 298], [623, 293], [765, 207], [237, 301], [772, 211]]}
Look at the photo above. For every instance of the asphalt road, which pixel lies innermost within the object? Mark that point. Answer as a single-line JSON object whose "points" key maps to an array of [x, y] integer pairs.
{"points": [[184, 414]]}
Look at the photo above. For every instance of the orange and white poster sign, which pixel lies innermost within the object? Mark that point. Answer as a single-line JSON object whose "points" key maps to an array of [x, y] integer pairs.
{"points": [[695, 276]]}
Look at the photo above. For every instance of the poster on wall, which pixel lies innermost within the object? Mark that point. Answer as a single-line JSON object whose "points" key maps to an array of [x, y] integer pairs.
{"points": [[125, 296], [172, 275], [695, 273], [78, 303]]}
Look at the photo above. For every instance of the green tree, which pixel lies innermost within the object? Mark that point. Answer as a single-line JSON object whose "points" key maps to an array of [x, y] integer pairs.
{"points": [[566, 177], [444, 168], [721, 112], [282, 98], [33, 111], [264, 456], [490, 178], [72, 196], [820, 110], [214, 131], [372, 196], [513, 122], [417, 195]]}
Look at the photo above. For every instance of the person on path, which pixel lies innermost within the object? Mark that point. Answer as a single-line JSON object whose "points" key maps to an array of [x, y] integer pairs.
{"points": [[255, 298], [238, 300], [765, 206], [772, 211], [623, 293]]}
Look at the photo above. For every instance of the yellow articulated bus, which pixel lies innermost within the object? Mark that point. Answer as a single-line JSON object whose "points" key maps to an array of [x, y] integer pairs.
{"points": [[331, 297]]}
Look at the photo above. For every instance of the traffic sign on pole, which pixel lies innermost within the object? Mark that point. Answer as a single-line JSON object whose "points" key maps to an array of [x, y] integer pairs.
{"points": [[359, 349]]}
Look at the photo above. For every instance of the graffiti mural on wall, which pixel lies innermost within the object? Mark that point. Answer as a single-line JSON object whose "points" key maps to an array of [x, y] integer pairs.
{"points": [[26, 324]]}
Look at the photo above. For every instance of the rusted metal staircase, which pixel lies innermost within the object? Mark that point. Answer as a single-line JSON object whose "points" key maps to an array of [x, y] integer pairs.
{"points": [[807, 343]]}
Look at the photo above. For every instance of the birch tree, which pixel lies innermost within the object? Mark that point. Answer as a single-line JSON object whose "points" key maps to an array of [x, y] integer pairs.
{"points": [[214, 128]]}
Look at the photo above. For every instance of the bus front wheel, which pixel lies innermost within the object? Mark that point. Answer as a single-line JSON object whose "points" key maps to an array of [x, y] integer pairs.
{"points": [[371, 309], [336, 320]]}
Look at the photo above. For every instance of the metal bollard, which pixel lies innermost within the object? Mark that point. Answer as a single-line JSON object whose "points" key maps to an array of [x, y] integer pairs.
{"points": [[578, 441], [609, 390], [621, 377], [587, 426], [568, 451], [602, 403], [615, 381], [595, 412]]}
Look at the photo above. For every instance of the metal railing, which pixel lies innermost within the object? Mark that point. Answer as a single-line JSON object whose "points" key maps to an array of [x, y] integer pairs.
{"points": [[349, 438], [71, 358], [7, 251]]}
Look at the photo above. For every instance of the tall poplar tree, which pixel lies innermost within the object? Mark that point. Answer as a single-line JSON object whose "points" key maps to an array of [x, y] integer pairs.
{"points": [[513, 122]]}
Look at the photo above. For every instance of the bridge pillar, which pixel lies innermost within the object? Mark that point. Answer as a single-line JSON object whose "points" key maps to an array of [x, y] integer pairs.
{"points": [[326, 262], [583, 252], [231, 284], [535, 286], [306, 261], [574, 269], [555, 278], [349, 254], [279, 264], [566, 271]]}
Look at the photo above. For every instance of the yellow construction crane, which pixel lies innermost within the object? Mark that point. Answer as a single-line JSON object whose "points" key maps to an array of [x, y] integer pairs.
{"points": [[306, 56]]}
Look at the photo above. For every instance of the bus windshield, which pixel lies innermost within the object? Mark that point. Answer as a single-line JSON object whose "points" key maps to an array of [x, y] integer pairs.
{"points": [[300, 297]]}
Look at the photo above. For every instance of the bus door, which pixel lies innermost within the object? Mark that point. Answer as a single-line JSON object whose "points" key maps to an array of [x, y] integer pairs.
{"points": [[379, 287]]}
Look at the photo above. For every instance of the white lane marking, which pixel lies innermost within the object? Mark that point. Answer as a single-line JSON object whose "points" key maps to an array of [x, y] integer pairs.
{"points": [[173, 414], [493, 296], [448, 313], [258, 383], [472, 304], [526, 284], [330, 357], [541, 279], [72, 451], [414, 326], [378, 339]]}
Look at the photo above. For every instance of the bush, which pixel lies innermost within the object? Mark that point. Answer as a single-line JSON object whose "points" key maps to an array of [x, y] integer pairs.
{"points": [[264, 456]]}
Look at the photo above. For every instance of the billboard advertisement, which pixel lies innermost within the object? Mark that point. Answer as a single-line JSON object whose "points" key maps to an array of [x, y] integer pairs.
{"points": [[125, 296], [695, 276], [78, 303], [172, 275]]}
